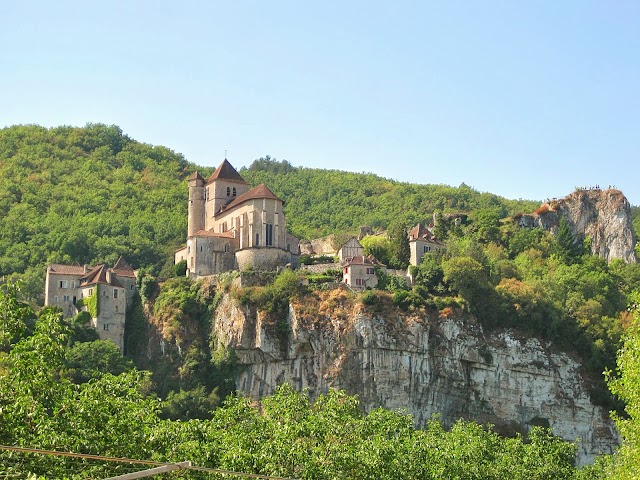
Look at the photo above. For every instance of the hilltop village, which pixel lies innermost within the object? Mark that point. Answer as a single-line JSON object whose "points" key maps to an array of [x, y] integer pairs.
{"points": [[230, 226]]}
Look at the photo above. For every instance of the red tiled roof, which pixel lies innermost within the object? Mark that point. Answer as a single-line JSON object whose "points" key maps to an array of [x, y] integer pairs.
{"points": [[66, 269], [420, 232], [261, 191], [225, 171], [205, 233], [98, 275], [123, 268], [362, 260]]}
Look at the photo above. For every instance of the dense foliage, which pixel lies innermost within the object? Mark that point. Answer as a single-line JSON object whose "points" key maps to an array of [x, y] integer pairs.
{"points": [[320, 202], [86, 195], [117, 415]]}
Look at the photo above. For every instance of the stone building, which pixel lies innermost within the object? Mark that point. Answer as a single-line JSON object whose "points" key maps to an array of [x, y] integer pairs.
{"points": [[74, 288], [233, 226], [359, 272], [422, 241]]}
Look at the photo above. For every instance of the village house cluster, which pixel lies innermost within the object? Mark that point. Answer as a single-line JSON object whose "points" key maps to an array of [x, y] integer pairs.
{"points": [[230, 226]]}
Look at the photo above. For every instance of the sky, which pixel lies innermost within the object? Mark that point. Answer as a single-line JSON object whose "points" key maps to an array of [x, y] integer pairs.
{"points": [[524, 99]]}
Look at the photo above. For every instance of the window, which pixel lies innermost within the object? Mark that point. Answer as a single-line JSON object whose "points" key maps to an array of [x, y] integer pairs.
{"points": [[104, 293], [269, 231], [131, 287], [426, 249], [234, 191], [105, 327], [226, 247], [257, 239], [346, 269], [116, 308], [228, 192], [370, 271], [64, 284], [90, 291], [115, 293], [65, 298], [189, 249], [359, 282], [55, 300], [200, 247]]}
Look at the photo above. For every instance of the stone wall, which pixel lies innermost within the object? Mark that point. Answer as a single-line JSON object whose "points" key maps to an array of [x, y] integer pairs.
{"points": [[262, 258]]}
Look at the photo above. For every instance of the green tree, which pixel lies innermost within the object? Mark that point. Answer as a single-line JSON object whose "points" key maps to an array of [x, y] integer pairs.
{"points": [[626, 385], [565, 245], [399, 246]]}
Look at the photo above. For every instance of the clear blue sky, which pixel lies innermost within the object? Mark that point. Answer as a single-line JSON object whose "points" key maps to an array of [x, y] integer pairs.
{"points": [[522, 99]]}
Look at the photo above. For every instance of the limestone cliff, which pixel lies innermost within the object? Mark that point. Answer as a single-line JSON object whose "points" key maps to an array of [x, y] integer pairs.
{"points": [[425, 365], [603, 216]]}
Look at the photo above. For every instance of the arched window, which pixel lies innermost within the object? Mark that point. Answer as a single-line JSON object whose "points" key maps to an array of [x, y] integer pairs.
{"points": [[234, 191], [228, 192]]}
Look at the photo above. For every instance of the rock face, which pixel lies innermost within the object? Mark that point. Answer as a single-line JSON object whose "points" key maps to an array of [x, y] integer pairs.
{"points": [[425, 366], [604, 216]]}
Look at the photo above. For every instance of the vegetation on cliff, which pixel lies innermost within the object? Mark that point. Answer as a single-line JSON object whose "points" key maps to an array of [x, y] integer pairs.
{"points": [[119, 416]]}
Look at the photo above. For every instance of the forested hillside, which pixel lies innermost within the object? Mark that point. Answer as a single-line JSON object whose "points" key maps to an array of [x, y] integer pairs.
{"points": [[88, 195], [320, 202]]}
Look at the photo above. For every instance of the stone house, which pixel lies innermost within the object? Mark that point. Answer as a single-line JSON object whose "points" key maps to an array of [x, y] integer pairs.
{"points": [[233, 226], [74, 288], [351, 248], [422, 241], [359, 272]]}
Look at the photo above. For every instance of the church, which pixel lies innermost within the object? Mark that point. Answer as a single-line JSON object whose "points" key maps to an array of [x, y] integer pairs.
{"points": [[231, 226]]}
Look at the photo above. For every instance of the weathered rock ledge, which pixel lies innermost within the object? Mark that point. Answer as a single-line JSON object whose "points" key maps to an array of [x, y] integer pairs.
{"points": [[425, 366]]}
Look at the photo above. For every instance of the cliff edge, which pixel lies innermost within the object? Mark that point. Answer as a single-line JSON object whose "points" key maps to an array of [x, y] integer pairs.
{"points": [[603, 216], [441, 365]]}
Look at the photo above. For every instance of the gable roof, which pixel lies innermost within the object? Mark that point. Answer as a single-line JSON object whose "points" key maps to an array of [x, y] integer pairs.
{"points": [[350, 239], [261, 191], [123, 268], [225, 171]]}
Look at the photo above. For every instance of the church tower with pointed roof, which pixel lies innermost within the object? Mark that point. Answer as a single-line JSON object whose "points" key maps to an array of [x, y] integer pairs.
{"points": [[238, 227], [223, 187]]}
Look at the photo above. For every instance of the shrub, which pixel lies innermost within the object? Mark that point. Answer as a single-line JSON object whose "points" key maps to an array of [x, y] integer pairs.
{"points": [[369, 297], [180, 268]]}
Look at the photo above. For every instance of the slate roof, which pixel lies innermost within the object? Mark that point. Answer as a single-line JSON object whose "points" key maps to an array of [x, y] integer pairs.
{"points": [[261, 191], [225, 171], [66, 269]]}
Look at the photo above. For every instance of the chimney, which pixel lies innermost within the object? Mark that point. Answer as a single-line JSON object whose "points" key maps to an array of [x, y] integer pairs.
{"points": [[85, 268]]}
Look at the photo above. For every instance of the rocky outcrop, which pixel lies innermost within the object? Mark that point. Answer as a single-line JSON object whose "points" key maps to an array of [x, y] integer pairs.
{"points": [[603, 216], [423, 365]]}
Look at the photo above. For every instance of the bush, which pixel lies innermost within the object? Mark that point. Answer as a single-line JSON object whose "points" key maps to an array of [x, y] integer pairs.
{"points": [[369, 297], [180, 268]]}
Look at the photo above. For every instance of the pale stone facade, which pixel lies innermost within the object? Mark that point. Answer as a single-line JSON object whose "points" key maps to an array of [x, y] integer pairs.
{"points": [[421, 242], [359, 273], [69, 287], [232, 226]]}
